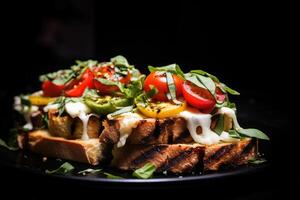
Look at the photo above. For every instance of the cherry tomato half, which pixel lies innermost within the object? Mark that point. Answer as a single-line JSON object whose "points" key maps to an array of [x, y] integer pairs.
{"points": [[198, 97], [159, 81], [50, 89]]}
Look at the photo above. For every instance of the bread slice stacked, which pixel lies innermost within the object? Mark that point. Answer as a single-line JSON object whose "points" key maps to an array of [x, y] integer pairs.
{"points": [[164, 142]]}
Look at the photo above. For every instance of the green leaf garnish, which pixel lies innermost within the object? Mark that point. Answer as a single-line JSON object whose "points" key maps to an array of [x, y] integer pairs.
{"points": [[89, 171], [172, 88], [173, 68], [63, 169], [111, 176], [229, 90], [234, 134], [201, 72], [257, 161], [251, 132], [119, 61], [145, 172], [11, 148], [120, 111], [220, 125], [202, 81]]}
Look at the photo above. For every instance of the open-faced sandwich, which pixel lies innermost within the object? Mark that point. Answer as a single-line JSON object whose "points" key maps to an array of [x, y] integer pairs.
{"points": [[109, 113]]}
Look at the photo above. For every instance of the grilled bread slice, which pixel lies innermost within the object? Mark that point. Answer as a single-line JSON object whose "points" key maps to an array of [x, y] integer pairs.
{"points": [[176, 158], [154, 131], [41, 142], [182, 158]]}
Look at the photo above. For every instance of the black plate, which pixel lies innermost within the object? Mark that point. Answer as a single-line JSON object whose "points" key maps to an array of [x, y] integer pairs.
{"points": [[33, 164]]}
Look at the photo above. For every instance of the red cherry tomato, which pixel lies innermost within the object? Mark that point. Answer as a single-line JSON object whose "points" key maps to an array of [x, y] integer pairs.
{"points": [[198, 97], [220, 96], [159, 81], [50, 89], [108, 72], [86, 81]]}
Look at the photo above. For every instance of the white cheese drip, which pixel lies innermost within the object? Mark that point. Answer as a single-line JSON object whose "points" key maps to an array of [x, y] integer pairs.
{"points": [[128, 121], [231, 113], [195, 119], [80, 110]]}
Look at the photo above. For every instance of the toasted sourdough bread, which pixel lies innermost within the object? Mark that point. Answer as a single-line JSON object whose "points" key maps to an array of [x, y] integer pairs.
{"points": [[41, 142], [181, 158]]}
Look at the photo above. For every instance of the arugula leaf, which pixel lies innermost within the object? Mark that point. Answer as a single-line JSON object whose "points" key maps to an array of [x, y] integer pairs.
{"points": [[234, 134], [251, 132], [257, 161], [120, 61], [89, 171], [201, 72], [120, 111], [111, 176], [145, 172], [3, 143], [172, 88], [173, 68], [220, 125], [63, 169]]}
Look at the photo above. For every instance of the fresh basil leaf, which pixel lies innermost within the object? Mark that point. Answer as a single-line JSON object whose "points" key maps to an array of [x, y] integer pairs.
{"points": [[120, 61], [3, 143], [90, 93], [119, 112], [234, 134], [173, 68], [257, 161], [145, 172], [220, 125], [201, 72], [208, 83], [193, 79], [63, 169], [229, 90], [111, 176], [251, 132], [89, 171], [172, 88]]}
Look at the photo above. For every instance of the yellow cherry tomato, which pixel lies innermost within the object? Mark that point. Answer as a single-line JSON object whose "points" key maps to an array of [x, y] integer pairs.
{"points": [[161, 110], [40, 100]]}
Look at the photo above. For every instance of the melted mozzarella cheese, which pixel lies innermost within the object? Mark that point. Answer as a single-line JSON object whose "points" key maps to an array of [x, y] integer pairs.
{"points": [[128, 121], [231, 113], [195, 119], [80, 110], [50, 107], [226, 137]]}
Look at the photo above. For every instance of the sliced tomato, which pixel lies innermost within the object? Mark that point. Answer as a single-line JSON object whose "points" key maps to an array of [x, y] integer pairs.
{"points": [[159, 81], [198, 97], [50, 89], [86, 81], [108, 72]]}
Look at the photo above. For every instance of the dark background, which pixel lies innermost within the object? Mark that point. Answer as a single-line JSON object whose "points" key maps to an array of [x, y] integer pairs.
{"points": [[242, 46]]}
